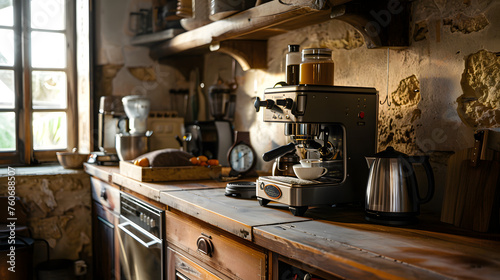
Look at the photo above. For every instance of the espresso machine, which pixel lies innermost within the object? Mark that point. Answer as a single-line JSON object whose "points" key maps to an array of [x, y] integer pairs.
{"points": [[112, 120], [111, 112], [337, 123]]}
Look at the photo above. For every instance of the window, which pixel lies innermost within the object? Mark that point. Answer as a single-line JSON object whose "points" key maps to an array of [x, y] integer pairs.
{"points": [[37, 80]]}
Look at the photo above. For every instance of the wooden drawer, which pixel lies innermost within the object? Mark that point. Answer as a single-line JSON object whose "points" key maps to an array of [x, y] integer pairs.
{"points": [[105, 194], [180, 267], [230, 255]]}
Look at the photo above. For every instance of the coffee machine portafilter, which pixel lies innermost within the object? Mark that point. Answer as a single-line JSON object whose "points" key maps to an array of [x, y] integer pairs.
{"points": [[339, 124]]}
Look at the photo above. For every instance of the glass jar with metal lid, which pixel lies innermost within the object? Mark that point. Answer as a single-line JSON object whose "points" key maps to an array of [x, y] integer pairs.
{"points": [[317, 67]]}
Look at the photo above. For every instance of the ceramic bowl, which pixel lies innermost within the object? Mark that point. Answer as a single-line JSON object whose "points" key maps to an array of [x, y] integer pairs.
{"points": [[70, 160], [310, 162]]}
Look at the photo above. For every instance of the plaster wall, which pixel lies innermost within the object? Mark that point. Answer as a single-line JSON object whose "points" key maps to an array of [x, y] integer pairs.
{"points": [[423, 108], [124, 69]]}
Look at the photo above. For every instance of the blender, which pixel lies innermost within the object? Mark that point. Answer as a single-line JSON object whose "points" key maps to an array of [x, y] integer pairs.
{"points": [[135, 142], [214, 138]]}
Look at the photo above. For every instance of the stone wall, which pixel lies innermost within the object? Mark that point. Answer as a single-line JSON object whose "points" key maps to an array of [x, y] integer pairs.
{"points": [[59, 211]]}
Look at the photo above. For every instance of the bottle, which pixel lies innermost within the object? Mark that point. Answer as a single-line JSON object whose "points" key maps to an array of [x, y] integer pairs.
{"points": [[317, 67], [293, 60]]}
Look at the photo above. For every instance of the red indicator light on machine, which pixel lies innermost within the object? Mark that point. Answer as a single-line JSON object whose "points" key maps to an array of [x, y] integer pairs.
{"points": [[361, 115]]}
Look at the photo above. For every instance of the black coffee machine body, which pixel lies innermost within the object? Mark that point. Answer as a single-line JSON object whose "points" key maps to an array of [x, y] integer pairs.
{"points": [[211, 139], [214, 138]]}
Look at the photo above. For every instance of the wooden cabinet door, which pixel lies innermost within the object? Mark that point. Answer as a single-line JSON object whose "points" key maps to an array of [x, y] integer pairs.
{"points": [[220, 250], [104, 243]]}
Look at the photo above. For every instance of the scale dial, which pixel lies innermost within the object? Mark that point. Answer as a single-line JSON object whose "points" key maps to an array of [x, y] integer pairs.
{"points": [[242, 158]]}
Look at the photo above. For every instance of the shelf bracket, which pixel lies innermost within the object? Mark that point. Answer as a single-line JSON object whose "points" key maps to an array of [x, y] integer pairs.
{"points": [[383, 23], [250, 54]]}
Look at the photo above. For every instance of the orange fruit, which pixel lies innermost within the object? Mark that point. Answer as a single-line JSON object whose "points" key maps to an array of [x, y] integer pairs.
{"points": [[144, 162], [202, 158], [213, 162], [194, 160], [203, 163]]}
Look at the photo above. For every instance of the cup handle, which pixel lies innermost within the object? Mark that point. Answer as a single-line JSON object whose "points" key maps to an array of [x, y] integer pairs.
{"points": [[324, 171]]}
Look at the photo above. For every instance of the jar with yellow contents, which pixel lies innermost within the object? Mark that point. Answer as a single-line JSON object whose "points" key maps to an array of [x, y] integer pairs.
{"points": [[317, 67]]}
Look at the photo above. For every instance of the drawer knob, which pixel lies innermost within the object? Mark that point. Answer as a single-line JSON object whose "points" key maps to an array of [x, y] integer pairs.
{"points": [[205, 245]]}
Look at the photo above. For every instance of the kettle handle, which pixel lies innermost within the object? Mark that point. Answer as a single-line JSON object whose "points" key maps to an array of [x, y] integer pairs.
{"points": [[424, 160]]}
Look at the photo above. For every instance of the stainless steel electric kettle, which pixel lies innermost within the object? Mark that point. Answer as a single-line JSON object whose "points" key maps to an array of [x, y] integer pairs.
{"points": [[392, 195]]}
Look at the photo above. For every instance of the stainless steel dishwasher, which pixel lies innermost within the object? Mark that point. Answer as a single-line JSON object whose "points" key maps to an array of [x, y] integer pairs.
{"points": [[142, 254]]}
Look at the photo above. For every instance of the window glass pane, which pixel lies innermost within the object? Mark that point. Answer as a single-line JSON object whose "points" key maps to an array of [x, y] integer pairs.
{"points": [[6, 13], [7, 131], [48, 50], [6, 47], [48, 14], [48, 89], [7, 90], [50, 130]]}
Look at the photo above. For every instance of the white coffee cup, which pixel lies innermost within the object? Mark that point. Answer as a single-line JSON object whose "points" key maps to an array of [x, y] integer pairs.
{"points": [[309, 173], [308, 162]]}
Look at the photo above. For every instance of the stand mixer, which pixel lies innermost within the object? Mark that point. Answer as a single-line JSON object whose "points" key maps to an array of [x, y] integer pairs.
{"points": [[339, 123], [137, 109], [135, 142]]}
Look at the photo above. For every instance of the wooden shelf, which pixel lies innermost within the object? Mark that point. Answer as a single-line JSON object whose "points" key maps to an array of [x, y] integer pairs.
{"points": [[153, 38], [235, 34], [258, 23]]}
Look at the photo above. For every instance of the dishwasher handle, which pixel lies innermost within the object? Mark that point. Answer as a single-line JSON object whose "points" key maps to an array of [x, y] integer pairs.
{"points": [[180, 276], [150, 244]]}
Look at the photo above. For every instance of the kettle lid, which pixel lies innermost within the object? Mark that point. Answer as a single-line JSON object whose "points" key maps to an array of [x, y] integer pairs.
{"points": [[390, 152]]}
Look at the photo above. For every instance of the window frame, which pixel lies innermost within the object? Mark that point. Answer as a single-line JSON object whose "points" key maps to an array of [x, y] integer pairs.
{"points": [[25, 153]]}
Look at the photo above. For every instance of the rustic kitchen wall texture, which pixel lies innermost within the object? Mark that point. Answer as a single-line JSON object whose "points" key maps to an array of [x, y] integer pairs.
{"points": [[59, 212], [433, 94], [124, 69]]}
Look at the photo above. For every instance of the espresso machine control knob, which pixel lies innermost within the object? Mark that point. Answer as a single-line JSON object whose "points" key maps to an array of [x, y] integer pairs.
{"points": [[269, 104], [287, 103], [264, 103]]}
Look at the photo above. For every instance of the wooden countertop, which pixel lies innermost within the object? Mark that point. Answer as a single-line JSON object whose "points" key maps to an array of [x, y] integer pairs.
{"points": [[336, 240], [362, 250], [238, 216]]}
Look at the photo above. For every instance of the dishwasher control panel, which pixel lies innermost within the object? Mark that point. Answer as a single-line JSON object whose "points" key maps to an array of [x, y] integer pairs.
{"points": [[145, 215]]}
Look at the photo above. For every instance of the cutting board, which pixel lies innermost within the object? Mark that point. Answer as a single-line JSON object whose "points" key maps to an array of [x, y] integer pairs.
{"points": [[171, 173], [472, 188], [452, 182], [477, 194]]}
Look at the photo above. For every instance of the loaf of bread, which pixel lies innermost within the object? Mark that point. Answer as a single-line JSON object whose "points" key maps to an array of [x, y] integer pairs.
{"points": [[168, 157]]}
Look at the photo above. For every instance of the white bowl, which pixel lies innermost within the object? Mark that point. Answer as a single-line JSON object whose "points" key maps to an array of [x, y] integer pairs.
{"points": [[309, 173]]}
